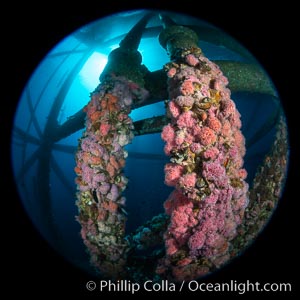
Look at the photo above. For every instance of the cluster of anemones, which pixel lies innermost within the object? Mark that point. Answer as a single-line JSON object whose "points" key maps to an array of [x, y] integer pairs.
{"points": [[206, 149], [100, 161]]}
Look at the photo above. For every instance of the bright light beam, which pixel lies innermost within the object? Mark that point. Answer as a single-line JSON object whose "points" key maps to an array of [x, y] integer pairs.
{"points": [[89, 74]]}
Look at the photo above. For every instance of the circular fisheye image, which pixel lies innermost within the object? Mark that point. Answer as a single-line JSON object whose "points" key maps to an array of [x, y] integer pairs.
{"points": [[150, 145]]}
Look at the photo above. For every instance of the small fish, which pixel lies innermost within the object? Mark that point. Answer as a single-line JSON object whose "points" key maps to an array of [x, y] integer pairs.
{"points": [[124, 211]]}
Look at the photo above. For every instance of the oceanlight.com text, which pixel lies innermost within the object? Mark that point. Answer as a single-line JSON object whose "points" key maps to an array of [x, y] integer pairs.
{"points": [[192, 286]]}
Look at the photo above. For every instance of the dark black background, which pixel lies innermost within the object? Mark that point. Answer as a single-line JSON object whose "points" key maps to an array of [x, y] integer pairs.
{"points": [[30, 267]]}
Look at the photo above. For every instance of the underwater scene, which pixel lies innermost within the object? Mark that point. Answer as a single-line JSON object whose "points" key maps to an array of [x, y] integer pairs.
{"points": [[150, 145]]}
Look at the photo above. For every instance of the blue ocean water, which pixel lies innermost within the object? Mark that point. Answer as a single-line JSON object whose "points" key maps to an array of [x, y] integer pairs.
{"points": [[66, 77]]}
